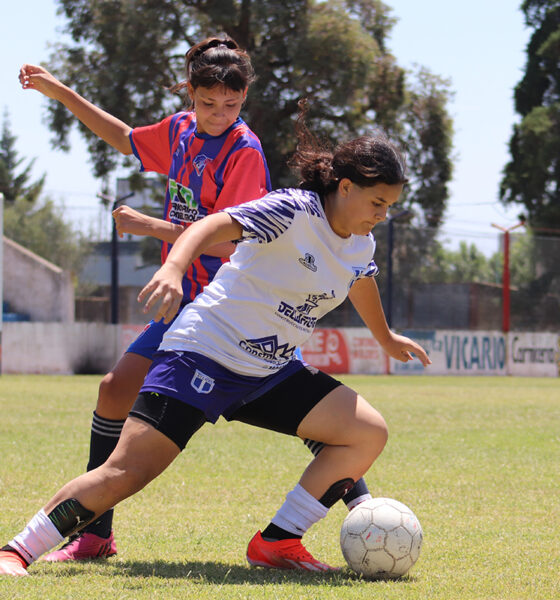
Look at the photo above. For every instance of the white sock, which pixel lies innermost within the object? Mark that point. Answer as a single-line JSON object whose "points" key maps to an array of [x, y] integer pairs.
{"points": [[39, 536], [358, 500], [299, 511]]}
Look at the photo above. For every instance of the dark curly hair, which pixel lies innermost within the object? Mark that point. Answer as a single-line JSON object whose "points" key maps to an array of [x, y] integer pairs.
{"points": [[366, 160], [217, 61]]}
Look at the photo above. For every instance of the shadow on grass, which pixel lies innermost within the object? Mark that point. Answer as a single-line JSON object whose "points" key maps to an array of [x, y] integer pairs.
{"points": [[222, 573]]}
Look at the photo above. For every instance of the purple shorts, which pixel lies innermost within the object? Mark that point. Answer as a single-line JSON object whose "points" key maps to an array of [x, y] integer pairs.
{"points": [[205, 384]]}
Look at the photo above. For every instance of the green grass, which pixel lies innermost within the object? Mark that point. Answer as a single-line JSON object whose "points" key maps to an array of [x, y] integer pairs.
{"points": [[475, 458]]}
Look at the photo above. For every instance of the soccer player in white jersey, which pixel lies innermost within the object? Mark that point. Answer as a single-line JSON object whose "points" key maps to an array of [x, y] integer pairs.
{"points": [[300, 253]]}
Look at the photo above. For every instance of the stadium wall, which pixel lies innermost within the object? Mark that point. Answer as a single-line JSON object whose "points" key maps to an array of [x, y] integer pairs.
{"points": [[453, 352], [35, 286], [66, 348]]}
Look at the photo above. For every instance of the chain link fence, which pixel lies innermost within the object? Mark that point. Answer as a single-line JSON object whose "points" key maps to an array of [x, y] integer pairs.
{"points": [[425, 284]]}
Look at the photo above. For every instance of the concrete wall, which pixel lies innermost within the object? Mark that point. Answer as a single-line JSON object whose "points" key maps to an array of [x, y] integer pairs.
{"points": [[57, 348], [34, 286], [65, 348]]}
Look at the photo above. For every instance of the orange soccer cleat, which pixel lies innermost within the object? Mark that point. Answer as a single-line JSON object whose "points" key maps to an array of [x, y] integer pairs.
{"points": [[11, 563], [283, 554]]}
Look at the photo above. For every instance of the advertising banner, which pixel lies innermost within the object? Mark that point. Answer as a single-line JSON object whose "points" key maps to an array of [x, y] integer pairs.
{"points": [[458, 353], [534, 354], [345, 350], [354, 350]]}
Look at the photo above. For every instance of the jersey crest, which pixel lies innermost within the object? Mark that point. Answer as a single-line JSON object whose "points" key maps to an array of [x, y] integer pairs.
{"points": [[200, 162]]}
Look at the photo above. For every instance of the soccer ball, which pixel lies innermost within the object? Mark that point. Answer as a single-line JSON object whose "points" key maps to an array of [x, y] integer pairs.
{"points": [[381, 538]]}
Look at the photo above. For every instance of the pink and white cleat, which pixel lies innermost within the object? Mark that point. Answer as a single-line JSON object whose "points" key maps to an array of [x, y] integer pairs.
{"points": [[283, 554], [86, 546]]}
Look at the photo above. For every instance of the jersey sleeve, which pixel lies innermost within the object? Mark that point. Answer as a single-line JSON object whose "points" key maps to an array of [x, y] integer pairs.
{"points": [[245, 178], [372, 270], [152, 145], [265, 219]]}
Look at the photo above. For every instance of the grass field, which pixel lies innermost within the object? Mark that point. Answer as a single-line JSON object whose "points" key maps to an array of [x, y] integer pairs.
{"points": [[475, 458]]}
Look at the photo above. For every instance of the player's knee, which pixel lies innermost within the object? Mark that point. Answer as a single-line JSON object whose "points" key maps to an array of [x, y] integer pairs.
{"points": [[113, 401], [379, 434], [374, 437], [107, 389]]}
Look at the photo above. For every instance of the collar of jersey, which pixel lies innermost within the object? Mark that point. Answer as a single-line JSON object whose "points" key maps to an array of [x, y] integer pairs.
{"points": [[207, 136]]}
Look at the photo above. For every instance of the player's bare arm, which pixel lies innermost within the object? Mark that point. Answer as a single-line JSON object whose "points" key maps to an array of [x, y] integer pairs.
{"points": [[364, 295], [129, 220], [165, 288], [110, 129]]}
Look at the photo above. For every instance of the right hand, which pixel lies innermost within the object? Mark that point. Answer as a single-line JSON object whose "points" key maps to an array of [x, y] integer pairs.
{"points": [[165, 288], [128, 220], [33, 77]]}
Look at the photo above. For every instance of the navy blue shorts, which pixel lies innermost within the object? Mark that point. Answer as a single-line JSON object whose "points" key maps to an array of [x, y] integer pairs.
{"points": [[147, 343], [183, 391], [205, 384]]}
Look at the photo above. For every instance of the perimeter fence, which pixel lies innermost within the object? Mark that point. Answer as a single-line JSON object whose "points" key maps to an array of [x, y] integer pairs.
{"points": [[425, 284]]}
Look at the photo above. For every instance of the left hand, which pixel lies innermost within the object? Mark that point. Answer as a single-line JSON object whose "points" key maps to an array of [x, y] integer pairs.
{"points": [[400, 347], [128, 220], [165, 288]]}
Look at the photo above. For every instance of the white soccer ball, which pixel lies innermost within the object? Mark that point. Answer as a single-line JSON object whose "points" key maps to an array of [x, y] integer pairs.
{"points": [[381, 538]]}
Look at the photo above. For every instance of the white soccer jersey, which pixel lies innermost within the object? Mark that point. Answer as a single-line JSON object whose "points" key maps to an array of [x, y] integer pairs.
{"points": [[288, 271]]}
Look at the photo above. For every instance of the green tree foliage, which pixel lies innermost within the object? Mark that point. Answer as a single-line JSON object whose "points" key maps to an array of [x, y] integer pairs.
{"points": [[13, 184], [123, 55], [34, 223], [532, 177], [42, 228]]}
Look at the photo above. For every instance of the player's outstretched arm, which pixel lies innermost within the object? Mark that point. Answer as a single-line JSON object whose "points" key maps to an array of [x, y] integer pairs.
{"points": [[100, 122], [165, 288], [364, 295], [129, 220]]}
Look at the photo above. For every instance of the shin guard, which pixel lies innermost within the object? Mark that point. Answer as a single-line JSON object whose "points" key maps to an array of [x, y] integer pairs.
{"points": [[336, 492], [70, 516]]}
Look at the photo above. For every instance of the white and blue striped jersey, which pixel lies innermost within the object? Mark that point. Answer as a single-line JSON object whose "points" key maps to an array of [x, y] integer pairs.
{"points": [[289, 270]]}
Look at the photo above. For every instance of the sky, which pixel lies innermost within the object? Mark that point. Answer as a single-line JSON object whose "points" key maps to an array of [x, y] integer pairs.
{"points": [[478, 45]]}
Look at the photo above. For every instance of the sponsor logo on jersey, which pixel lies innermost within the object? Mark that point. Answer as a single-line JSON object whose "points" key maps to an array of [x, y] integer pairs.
{"points": [[300, 314], [202, 383], [268, 349], [184, 207], [199, 162], [308, 261]]}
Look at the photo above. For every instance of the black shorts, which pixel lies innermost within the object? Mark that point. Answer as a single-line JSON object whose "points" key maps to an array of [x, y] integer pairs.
{"points": [[280, 409]]}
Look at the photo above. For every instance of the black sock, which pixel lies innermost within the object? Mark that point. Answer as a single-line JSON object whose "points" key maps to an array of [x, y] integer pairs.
{"points": [[360, 488], [105, 434], [275, 533]]}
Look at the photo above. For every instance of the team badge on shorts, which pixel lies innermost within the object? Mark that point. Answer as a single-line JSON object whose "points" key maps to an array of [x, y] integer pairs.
{"points": [[202, 383]]}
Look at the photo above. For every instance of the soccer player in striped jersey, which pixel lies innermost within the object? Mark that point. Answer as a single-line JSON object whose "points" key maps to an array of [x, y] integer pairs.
{"points": [[300, 253]]}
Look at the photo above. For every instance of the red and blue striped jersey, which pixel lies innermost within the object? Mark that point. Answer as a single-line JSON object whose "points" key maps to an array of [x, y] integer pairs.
{"points": [[204, 175]]}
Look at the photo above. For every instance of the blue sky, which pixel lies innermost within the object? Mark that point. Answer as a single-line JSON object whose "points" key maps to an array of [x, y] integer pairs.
{"points": [[478, 45]]}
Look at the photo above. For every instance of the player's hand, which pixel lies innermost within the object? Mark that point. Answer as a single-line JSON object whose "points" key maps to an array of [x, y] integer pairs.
{"points": [[401, 348], [165, 290], [33, 77], [128, 220]]}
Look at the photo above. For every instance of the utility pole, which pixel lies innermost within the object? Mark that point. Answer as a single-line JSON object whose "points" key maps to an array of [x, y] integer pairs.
{"points": [[115, 255], [390, 242], [505, 275]]}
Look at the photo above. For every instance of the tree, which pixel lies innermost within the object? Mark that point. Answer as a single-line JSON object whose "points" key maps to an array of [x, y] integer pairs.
{"points": [[37, 225], [124, 54], [12, 184], [42, 228], [532, 176]]}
